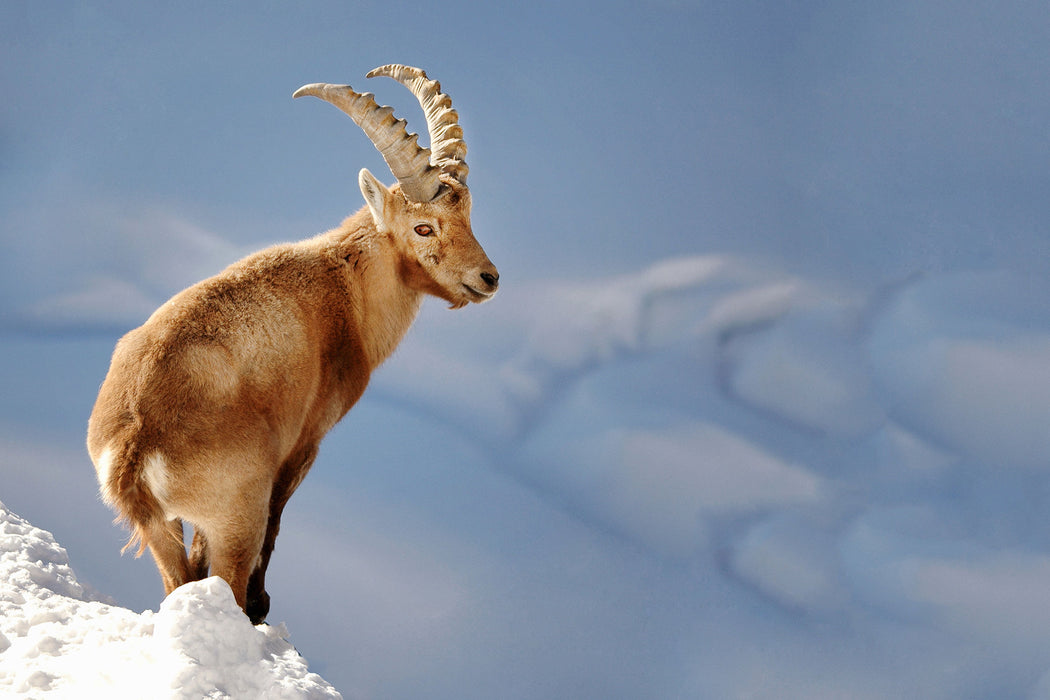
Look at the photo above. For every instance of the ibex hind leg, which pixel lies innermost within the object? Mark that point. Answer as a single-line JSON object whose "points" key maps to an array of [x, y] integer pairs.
{"points": [[199, 560], [233, 550], [169, 552], [257, 601]]}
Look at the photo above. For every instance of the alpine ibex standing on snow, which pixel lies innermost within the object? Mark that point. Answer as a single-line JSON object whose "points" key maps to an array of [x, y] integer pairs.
{"points": [[213, 410]]}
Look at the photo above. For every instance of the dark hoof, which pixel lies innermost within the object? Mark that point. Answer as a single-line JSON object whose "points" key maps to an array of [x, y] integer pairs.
{"points": [[258, 607]]}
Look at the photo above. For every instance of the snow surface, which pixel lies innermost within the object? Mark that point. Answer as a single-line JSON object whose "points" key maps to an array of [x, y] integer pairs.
{"points": [[59, 641]]}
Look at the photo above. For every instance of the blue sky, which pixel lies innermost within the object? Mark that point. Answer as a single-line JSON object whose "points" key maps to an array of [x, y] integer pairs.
{"points": [[759, 411]]}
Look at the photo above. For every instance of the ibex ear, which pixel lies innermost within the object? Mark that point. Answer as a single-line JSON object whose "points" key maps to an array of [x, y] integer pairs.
{"points": [[375, 194]]}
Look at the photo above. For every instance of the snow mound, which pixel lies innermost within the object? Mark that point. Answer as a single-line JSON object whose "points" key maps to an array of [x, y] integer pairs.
{"points": [[57, 642]]}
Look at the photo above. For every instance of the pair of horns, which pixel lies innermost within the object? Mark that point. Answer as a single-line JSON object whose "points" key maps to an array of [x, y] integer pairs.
{"points": [[417, 169]]}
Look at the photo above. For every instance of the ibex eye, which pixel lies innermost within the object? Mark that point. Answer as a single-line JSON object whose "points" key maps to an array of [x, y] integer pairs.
{"points": [[424, 230]]}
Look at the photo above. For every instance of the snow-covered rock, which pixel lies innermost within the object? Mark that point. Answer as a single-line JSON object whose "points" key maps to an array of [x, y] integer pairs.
{"points": [[57, 641]]}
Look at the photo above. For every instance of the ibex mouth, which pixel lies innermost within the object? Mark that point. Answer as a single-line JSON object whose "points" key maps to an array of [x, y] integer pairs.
{"points": [[477, 296]]}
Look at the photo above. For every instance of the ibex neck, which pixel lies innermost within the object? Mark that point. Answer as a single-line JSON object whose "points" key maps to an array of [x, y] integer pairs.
{"points": [[384, 306]]}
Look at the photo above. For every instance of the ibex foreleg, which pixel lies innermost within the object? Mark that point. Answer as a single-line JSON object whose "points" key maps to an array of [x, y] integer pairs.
{"points": [[291, 475]]}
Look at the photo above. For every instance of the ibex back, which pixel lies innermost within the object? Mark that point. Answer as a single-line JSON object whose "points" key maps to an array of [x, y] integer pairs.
{"points": [[213, 410]]}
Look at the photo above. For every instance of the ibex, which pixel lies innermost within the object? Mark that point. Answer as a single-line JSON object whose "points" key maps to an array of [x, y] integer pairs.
{"points": [[212, 411]]}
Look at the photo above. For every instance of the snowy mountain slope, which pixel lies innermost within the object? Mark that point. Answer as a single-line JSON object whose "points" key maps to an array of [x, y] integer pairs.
{"points": [[56, 640]]}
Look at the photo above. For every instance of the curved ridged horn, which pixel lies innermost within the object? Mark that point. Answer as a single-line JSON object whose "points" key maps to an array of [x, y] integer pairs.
{"points": [[447, 147], [408, 161]]}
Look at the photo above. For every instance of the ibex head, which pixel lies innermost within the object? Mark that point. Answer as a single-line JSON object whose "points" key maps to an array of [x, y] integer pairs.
{"points": [[427, 213]]}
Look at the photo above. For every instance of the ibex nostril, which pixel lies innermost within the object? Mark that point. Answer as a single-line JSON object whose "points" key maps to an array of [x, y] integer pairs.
{"points": [[491, 279]]}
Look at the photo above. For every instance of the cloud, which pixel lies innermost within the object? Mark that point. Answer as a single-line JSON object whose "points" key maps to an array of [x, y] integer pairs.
{"points": [[549, 335], [810, 369], [600, 455], [100, 304], [919, 565], [965, 359], [994, 594], [126, 260], [661, 486], [793, 560]]}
